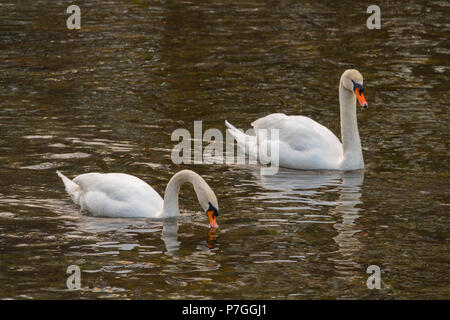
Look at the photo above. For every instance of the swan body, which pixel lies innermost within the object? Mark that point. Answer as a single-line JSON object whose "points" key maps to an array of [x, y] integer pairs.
{"points": [[123, 195], [306, 144]]}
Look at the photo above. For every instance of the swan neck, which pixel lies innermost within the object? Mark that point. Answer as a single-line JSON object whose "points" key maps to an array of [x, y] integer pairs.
{"points": [[170, 207], [351, 142]]}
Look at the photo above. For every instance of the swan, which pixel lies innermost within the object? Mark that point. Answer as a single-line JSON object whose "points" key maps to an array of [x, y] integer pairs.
{"points": [[122, 195], [307, 145]]}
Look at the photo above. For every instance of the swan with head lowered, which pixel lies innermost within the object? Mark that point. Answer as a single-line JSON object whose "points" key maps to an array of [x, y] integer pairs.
{"points": [[307, 145], [122, 195]]}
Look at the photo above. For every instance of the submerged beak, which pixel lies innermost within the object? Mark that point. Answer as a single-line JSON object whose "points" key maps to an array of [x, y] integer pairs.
{"points": [[361, 99], [212, 219]]}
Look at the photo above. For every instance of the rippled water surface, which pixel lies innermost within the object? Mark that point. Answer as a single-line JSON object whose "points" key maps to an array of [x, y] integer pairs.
{"points": [[107, 98]]}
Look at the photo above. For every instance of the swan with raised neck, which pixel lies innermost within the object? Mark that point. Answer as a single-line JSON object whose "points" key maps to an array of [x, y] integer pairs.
{"points": [[305, 144]]}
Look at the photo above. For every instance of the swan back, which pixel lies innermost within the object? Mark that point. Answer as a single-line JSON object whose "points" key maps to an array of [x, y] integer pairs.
{"points": [[114, 195]]}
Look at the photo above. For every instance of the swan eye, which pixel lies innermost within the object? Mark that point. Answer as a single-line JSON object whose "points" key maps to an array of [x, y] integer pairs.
{"points": [[212, 210], [357, 85], [358, 89]]}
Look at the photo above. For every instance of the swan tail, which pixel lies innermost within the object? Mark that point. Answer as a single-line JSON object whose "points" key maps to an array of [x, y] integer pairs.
{"points": [[247, 143], [72, 188]]}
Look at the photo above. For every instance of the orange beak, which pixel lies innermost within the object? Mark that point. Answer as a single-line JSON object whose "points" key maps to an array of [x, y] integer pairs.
{"points": [[361, 99], [212, 219]]}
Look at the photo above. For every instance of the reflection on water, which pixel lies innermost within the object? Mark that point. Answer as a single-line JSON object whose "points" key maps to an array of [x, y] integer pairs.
{"points": [[106, 98], [347, 210], [301, 190], [170, 236], [301, 187]]}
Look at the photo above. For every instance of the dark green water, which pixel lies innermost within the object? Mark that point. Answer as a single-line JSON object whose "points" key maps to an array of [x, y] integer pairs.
{"points": [[107, 98]]}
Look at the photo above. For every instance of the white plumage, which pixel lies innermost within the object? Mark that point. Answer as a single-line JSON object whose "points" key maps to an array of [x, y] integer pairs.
{"points": [[306, 144], [124, 195]]}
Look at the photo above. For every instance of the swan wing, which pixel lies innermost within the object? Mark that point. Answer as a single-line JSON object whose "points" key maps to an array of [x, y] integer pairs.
{"points": [[304, 143]]}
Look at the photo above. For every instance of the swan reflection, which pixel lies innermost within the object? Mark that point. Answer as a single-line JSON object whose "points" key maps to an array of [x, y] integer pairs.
{"points": [[310, 190], [305, 187], [346, 208], [98, 227], [169, 236]]}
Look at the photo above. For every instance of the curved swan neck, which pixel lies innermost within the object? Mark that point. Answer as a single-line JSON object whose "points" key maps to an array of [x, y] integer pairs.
{"points": [[170, 207], [351, 142]]}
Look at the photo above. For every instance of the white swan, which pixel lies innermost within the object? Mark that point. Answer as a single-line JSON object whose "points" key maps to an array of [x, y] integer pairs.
{"points": [[307, 145], [123, 195]]}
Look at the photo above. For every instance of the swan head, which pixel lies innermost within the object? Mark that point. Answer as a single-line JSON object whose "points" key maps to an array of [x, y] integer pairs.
{"points": [[352, 80], [207, 199], [212, 213]]}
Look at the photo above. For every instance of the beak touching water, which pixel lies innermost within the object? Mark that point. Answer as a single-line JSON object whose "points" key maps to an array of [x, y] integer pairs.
{"points": [[361, 99], [212, 219]]}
